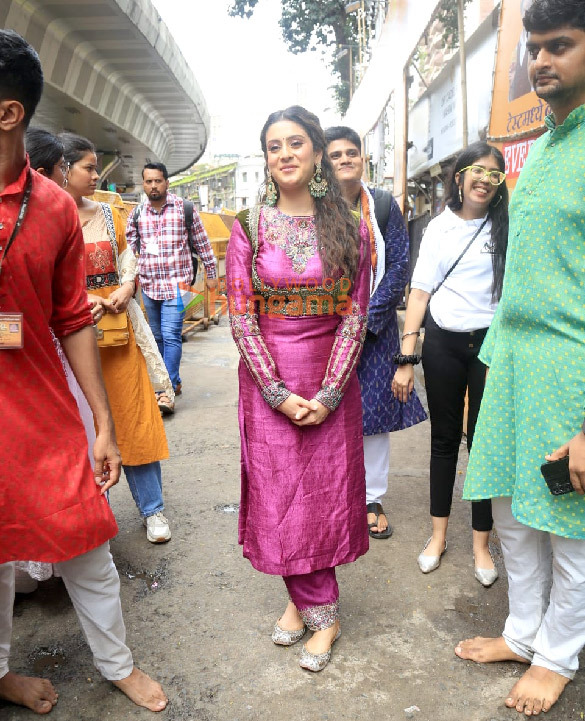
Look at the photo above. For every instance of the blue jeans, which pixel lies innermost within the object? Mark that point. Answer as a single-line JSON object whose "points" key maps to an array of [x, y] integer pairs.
{"points": [[166, 322], [146, 487]]}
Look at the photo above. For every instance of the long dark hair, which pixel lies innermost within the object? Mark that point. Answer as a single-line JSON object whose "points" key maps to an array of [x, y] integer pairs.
{"points": [[44, 149], [75, 147], [497, 210], [337, 232]]}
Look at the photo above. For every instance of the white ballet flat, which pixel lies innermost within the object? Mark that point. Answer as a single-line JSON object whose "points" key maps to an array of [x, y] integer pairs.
{"points": [[429, 563], [487, 576]]}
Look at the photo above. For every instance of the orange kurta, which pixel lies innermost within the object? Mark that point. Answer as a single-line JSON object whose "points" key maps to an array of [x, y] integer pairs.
{"points": [[139, 427]]}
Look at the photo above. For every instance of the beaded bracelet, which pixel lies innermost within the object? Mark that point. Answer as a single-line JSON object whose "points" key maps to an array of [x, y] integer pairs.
{"points": [[405, 360]]}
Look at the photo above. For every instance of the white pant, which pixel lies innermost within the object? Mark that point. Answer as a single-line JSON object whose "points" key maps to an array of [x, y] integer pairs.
{"points": [[94, 588], [546, 623], [377, 462]]}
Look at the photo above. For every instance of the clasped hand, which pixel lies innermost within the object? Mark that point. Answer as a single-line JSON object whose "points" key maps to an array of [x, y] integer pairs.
{"points": [[116, 303], [303, 412]]}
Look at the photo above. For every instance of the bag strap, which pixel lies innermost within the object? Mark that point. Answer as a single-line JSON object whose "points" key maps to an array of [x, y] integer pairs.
{"points": [[452, 268], [382, 203], [188, 218], [112, 233], [135, 215], [188, 213]]}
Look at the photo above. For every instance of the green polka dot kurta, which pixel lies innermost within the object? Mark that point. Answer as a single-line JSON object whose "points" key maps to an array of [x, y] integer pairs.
{"points": [[534, 400]]}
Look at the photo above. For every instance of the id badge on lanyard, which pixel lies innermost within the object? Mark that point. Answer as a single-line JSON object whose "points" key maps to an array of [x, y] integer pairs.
{"points": [[12, 323], [11, 336]]}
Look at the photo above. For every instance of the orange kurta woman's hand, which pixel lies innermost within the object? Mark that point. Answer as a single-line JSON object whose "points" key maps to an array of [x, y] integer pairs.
{"points": [[120, 297], [96, 307]]}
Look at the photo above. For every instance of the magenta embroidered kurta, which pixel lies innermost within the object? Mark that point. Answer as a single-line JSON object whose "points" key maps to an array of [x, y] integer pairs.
{"points": [[303, 488]]}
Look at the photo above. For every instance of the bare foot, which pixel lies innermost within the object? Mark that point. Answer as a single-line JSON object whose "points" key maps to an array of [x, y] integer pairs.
{"points": [[321, 641], [536, 691], [291, 619], [141, 689], [37, 694], [487, 650], [382, 522]]}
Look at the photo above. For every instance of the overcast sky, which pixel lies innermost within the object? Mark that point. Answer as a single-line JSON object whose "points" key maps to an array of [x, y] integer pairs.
{"points": [[244, 70]]}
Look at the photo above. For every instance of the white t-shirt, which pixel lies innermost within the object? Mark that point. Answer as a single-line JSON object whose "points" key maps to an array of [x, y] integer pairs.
{"points": [[464, 301]]}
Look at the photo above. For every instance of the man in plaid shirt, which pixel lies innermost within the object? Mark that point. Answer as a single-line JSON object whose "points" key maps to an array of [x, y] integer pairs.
{"points": [[165, 264]]}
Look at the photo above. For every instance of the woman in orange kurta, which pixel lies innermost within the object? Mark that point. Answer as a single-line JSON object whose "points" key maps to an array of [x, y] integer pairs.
{"points": [[111, 269]]}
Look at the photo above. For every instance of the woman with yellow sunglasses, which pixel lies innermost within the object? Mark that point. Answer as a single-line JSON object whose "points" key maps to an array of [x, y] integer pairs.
{"points": [[458, 277]]}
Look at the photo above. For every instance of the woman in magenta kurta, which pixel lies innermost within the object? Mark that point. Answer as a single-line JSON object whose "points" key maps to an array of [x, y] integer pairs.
{"points": [[297, 273]]}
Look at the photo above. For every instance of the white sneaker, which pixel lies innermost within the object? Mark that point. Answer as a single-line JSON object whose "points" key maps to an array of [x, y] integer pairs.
{"points": [[157, 528]]}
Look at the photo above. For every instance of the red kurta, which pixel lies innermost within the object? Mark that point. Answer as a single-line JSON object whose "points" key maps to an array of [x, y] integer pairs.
{"points": [[50, 506]]}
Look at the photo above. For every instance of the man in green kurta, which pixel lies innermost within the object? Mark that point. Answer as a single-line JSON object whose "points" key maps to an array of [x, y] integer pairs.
{"points": [[534, 399]]}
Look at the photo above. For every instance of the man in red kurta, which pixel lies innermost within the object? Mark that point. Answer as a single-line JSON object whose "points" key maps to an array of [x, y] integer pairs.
{"points": [[52, 504]]}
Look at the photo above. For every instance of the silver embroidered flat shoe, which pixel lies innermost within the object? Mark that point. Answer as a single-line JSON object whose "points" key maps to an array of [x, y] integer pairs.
{"points": [[486, 576], [282, 637], [316, 661], [429, 563]]}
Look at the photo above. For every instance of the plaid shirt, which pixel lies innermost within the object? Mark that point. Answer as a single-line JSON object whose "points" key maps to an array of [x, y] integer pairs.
{"points": [[165, 258]]}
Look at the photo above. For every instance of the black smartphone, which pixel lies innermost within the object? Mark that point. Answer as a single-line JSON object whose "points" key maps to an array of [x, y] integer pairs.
{"points": [[556, 475]]}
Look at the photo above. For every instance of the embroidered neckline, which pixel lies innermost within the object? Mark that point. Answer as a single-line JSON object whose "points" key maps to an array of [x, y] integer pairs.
{"points": [[295, 235]]}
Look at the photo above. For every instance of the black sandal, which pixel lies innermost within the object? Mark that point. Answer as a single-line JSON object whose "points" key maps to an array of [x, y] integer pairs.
{"points": [[378, 510]]}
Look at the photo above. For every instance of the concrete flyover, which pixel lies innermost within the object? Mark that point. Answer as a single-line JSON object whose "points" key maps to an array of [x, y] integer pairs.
{"points": [[114, 74]]}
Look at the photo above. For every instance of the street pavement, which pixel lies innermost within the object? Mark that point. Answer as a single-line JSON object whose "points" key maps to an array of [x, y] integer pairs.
{"points": [[199, 617]]}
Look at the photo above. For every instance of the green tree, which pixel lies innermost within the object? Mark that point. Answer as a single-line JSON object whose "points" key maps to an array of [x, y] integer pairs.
{"points": [[316, 24], [447, 14], [324, 24]]}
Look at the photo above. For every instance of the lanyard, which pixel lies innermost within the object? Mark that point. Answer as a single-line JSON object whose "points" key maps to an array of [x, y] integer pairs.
{"points": [[21, 214]]}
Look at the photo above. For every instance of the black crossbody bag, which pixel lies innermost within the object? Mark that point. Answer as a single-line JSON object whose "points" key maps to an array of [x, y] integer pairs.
{"points": [[452, 268]]}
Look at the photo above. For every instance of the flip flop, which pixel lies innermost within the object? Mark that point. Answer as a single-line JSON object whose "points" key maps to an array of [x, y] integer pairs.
{"points": [[378, 510]]}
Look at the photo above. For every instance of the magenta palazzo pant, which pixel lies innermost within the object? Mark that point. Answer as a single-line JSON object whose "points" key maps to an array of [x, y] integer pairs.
{"points": [[316, 596]]}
